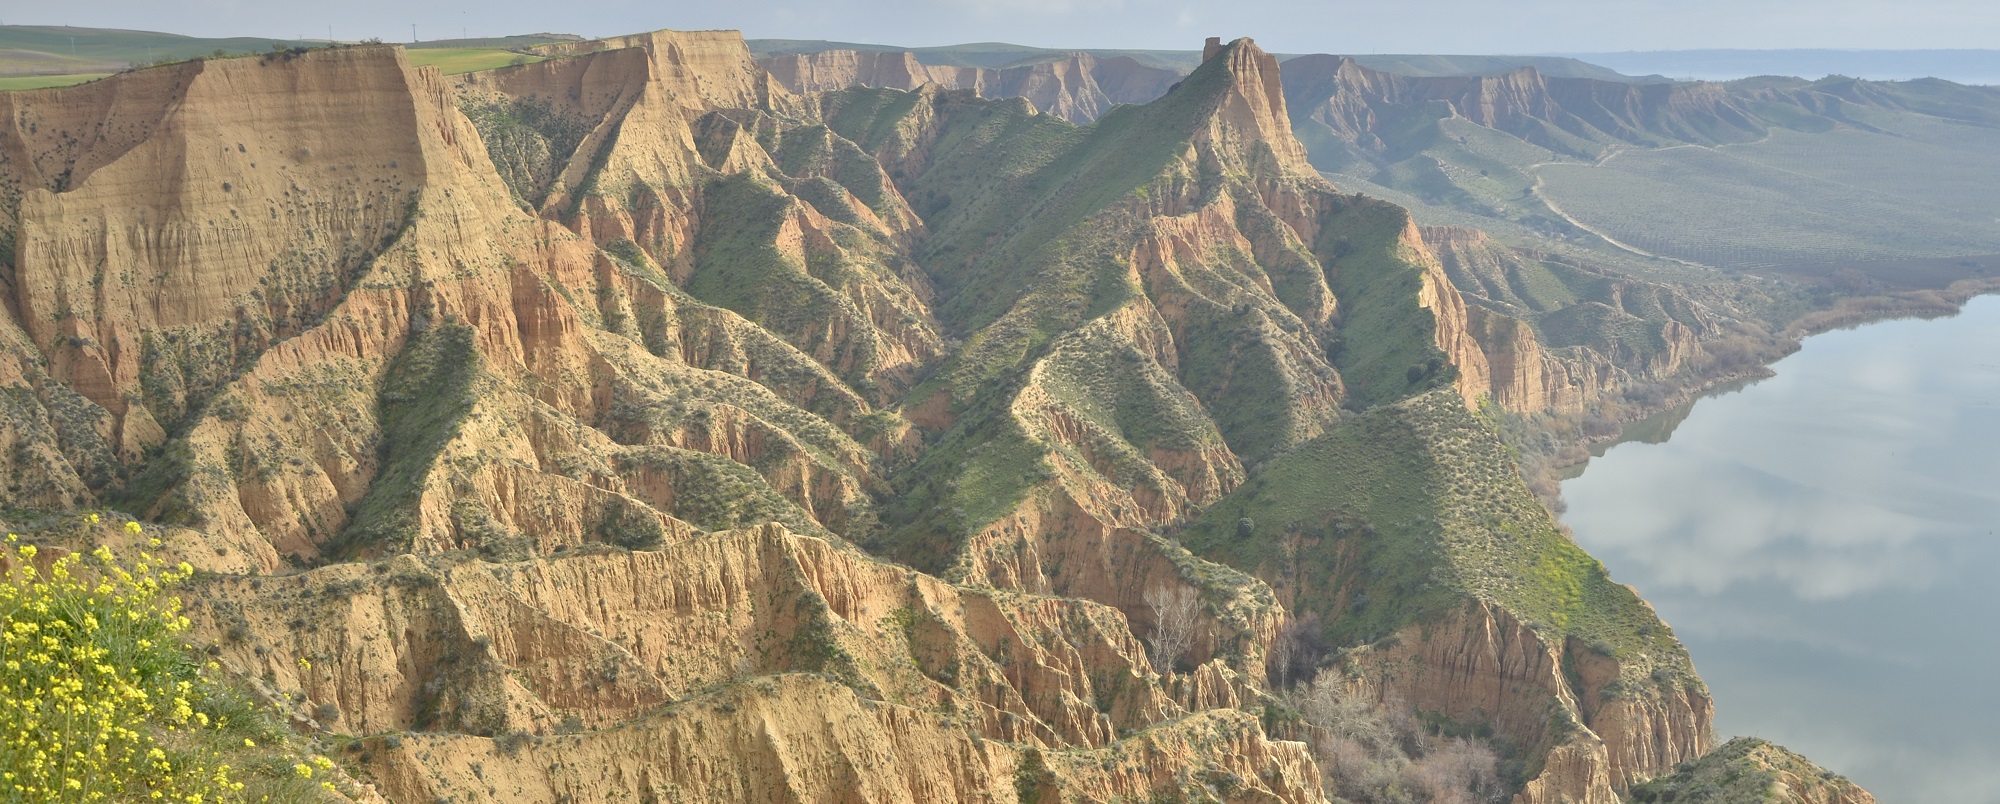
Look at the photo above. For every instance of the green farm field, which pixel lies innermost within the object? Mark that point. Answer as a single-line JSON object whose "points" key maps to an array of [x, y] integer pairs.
{"points": [[1799, 198], [42, 81], [456, 60]]}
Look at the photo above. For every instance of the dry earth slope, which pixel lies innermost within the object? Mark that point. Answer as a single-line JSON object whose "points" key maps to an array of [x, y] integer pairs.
{"points": [[629, 426]]}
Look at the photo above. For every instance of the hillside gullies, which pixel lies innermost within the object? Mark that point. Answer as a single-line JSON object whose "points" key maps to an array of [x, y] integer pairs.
{"points": [[1560, 334], [1077, 87], [532, 425], [840, 661]]}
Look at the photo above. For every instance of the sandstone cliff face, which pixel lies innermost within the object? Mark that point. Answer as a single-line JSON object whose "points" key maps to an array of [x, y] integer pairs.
{"points": [[1568, 115], [670, 176], [1598, 725], [1605, 331], [818, 659], [583, 375], [845, 749], [1078, 87], [421, 373], [1526, 378], [264, 223]]}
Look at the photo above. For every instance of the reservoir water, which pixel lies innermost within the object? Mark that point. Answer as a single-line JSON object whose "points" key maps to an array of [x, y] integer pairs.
{"points": [[1824, 541]]}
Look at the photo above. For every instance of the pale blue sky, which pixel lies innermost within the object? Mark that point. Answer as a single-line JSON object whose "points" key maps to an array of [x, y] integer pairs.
{"points": [[1387, 26]]}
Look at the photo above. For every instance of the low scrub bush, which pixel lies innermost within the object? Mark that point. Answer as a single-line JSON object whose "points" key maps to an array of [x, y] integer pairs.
{"points": [[100, 698]]}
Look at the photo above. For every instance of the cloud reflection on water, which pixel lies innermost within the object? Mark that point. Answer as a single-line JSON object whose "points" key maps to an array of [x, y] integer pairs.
{"points": [[1824, 541]]}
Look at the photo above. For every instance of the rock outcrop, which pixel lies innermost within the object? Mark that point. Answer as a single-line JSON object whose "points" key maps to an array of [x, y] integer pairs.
{"points": [[1345, 101], [1077, 87], [1599, 725], [734, 655], [1749, 769], [546, 412], [1604, 331]]}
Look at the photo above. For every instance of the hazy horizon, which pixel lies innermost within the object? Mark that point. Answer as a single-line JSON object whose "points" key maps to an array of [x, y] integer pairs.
{"points": [[1450, 26]]}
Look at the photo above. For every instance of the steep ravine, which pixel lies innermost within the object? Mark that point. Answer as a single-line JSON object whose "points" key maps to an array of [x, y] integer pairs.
{"points": [[628, 425]]}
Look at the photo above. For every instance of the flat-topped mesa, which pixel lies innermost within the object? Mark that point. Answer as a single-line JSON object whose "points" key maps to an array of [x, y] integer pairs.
{"points": [[1351, 101], [1077, 86], [1252, 112], [839, 69], [701, 69]]}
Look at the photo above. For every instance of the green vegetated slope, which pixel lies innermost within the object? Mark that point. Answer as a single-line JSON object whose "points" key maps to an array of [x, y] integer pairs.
{"points": [[1724, 207], [41, 81], [1397, 515], [47, 49], [1745, 175], [1009, 197], [1032, 223], [1022, 250], [1418, 485], [457, 60], [1747, 770], [919, 322]]}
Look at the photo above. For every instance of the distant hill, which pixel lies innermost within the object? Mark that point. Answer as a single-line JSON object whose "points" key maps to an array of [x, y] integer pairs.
{"points": [[62, 50], [994, 55], [1961, 66], [1434, 66], [497, 42], [51, 50], [1760, 173], [989, 55]]}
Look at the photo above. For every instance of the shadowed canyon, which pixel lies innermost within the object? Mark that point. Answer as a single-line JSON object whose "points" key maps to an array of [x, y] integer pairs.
{"points": [[651, 421]]}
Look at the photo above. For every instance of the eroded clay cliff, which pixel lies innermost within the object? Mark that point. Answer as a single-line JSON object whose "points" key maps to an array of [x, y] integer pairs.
{"points": [[1077, 87], [547, 412]]}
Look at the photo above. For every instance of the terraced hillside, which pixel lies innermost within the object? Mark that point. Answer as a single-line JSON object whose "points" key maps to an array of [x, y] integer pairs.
{"points": [[625, 425]]}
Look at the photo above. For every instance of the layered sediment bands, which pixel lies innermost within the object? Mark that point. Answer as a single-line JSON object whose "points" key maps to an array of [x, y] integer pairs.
{"points": [[1077, 87], [1527, 379], [1455, 333], [847, 748], [589, 376], [780, 221], [832, 70], [440, 389], [1597, 727], [597, 641], [1055, 543], [1648, 730], [698, 70], [1458, 595], [1251, 120], [266, 220], [1346, 102], [1560, 334]]}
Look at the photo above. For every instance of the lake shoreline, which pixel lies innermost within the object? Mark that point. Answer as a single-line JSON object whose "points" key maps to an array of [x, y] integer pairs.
{"points": [[1824, 541]]}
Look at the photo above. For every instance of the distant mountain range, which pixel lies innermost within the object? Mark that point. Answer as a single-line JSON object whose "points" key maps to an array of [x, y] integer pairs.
{"points": [[998, 55], [1960, 66]]}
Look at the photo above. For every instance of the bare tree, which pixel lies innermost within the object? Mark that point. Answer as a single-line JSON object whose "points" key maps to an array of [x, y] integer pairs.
{"points": [[1377, 752], [1459, 771], [1296, 652], [1175, 609]]}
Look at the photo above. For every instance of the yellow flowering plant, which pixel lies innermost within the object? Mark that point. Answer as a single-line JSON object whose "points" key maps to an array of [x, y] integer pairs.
{"points": [[100, 699]]}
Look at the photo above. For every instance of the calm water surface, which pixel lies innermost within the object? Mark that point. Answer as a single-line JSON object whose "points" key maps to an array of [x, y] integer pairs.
{"points": [[1824, 542]]}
